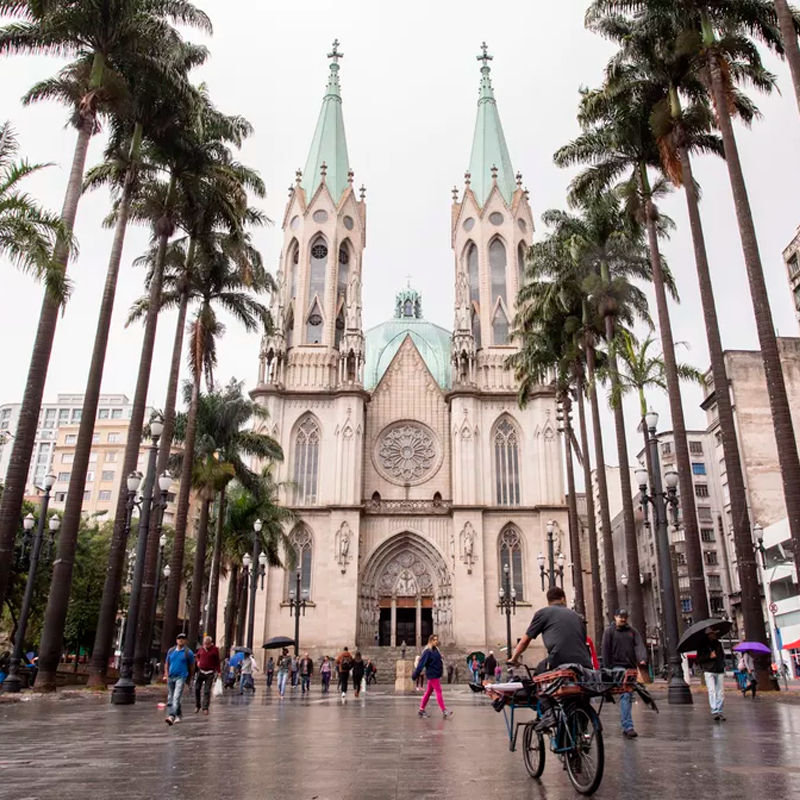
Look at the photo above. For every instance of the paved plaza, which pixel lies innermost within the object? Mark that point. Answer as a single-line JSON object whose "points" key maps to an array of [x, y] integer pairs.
{"points": [[377, 748]]}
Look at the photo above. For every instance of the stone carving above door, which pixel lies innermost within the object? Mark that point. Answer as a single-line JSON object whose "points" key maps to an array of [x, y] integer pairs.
{"points": [[405, 576]]}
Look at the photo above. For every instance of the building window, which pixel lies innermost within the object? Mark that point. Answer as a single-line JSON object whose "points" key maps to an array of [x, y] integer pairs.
{"points": [[93, 457], [511, 554], [76, 414], [506, 464], [67, 458], [714, 582], [102, 413], [716, 603], [113, 438], [341, 283], [686, 605], [710, 557], [116, 413], [63, 416], [50, 418], [87, 496], [698, 468], [89, 476], [306, 462], [701, 490], [303, 548], [314, 325], [704, 514], [61, 497], [95, 438], [792, 265], [63, 477], [476, 329], [290, 329], [111, 457], [318, 267], [520, 265], [500, 326], [497, 266], [696, 448], [666, 448], [680, 559], [707, 535], [107, 475], [70, 439], [104, 496], [474, 274]]}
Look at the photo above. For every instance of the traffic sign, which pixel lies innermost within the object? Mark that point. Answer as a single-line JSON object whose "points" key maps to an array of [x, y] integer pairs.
{"points": [[773, 607]]}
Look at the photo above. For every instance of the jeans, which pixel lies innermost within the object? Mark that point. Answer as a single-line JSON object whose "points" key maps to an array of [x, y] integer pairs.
{"points": [[476, 676], [203, 681], [294, 677], [434, 685], [326, 682], [269, 679], [246, 682], [716, 691], [282, 676], [305, 683], [343, 678], [626, 718], [174, 692]]}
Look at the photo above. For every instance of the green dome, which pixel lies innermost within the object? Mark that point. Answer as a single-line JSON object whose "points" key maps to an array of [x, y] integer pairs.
{"points": [[383, 341]]}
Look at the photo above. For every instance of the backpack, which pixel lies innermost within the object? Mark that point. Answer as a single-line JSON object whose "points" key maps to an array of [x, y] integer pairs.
{"points": [[347, 663]]}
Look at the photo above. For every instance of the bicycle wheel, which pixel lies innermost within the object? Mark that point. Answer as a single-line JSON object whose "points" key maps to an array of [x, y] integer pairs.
{"points": [[585, 759], [533, 751]]}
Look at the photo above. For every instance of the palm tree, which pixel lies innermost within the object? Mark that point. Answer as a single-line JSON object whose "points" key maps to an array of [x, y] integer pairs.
{"points": [[106, 47], [201, 174], [788, 25], [218, 282], [28, 232], [222, 442], [617, 142]]}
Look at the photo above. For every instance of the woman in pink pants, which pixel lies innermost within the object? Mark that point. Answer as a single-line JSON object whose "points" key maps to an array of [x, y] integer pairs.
{"points": [[431, 662]]}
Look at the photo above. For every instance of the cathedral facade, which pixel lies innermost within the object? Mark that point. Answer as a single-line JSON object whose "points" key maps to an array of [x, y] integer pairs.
{"points": [[416, 476]]}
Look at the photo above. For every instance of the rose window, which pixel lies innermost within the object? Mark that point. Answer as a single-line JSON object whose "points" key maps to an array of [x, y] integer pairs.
{"points": [[407, 453]]}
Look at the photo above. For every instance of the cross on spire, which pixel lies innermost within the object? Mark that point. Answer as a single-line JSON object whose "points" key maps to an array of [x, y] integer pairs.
{"points": [[408, 280], [335, 55], [485, 57]]}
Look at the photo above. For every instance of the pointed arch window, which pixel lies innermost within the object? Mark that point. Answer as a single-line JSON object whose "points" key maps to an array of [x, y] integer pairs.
{"points": [[511, 554], [520, 265], [339, 332], [318, 268], [290, 329], [506, 464], [473, 274], [303, 546], [500, 326], [295, 264], [497, 267], [343, 274], [314, 325], [306, 462]]}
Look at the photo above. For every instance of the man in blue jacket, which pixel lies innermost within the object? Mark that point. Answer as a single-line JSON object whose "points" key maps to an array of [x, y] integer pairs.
{"points": [[178, 668], [431, 662]]}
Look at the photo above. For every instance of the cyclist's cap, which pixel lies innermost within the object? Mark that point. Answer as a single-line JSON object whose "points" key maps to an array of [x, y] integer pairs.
{"points": [[622, 612]]}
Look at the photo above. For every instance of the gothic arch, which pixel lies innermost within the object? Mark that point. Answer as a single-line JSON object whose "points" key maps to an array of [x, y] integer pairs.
{"points": [[304, 545], [511, 551], [306, 457], [506, 457]]}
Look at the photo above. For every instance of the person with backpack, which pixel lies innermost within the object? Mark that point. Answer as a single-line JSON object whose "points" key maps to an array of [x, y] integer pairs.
{"points": [[358, 672], [178, 669], [344, 661], [431, 662]]}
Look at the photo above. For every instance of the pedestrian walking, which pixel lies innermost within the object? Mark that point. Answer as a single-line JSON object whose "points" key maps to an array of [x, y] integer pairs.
{"points": [[623, 649], [431, 662], [711, 659], [325, 670], [489, 665], [498, 674], [475, 669], [295, 665], [455, 673], [306, 671], [748, 668], [344, 663], [208, 668], [284, 668], [246, 671], [369, 672], [420, 681], [358, 672], [270, 671], [450, 669], [178, 668]]}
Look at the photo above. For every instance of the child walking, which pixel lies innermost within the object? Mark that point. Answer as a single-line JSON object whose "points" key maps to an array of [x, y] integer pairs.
{"points": [[431, 662]]}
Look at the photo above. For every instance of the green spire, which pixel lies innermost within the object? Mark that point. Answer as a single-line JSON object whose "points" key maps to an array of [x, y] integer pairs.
{"points": [[328, 152], [489, 149]]}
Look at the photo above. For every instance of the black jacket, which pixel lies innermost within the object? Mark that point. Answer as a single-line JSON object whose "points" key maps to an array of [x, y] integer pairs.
{"points": [[708, 662], [489, 666], [623, 647]]}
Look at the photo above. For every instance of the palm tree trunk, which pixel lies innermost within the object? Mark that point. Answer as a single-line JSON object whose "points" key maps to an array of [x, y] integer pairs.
{"points": [[694, 557], [609, 568], [61, 581], [199, 575], [230, 606], [594, 551], [179, 543], [151, 563], [216, 563], [634, 588], [241, 609], [789, 36], [572, 503], [773, 373], [19, 463], [119, 541]]}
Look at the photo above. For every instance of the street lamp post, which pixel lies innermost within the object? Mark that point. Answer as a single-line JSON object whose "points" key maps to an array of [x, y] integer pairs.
{"points": [[555, 563], [12, 684], [124, 691], [259, 563], [624, 579], [508, 604], [678, 692], [298, 598], [766, 582]]}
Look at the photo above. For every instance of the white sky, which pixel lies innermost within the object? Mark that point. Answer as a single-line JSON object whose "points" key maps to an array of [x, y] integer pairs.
{"points": [[409, 83]]}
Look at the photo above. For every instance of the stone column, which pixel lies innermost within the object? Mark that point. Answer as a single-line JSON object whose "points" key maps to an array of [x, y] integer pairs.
{"points": [[393, 635], [419, 622]]}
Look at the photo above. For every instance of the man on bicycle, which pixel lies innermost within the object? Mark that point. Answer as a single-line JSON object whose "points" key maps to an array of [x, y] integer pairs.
{"points": [[564, 635]]}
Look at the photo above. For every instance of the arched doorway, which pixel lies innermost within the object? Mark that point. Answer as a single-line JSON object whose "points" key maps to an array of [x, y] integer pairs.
{"points": [[406, 593]]}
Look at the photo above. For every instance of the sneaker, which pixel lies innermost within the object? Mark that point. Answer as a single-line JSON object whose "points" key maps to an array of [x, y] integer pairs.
{"points": [[631, 734], [721, 717], [422, 713], [344, 695], [197, 710], [170, 720], [447, 713]]}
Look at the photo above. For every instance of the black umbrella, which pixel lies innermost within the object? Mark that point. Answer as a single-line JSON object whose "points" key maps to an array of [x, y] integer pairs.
{"points": [[696, 636], [246, 650], [278, 641]]}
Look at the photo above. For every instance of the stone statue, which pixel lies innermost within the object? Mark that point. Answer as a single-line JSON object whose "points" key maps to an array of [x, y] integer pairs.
{"points": [[353, 313], [462, 289], [403, 650], [469, 539]]}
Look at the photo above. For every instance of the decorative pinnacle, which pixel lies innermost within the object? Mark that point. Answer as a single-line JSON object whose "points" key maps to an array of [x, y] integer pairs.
{"points": [[362, 191], [350, 174], [467, 177], [485, 57], [291, 190], [494, 172], [527, 193], [335, 55], [298, 176], [323, 170], [455, 194], [519, 180]]}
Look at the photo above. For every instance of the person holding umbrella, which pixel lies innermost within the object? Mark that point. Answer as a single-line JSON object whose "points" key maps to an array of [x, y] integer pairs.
{"points": [[711, 659]]}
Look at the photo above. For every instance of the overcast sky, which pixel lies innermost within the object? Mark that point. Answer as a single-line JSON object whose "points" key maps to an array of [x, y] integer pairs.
{"points": [[409, 82]]}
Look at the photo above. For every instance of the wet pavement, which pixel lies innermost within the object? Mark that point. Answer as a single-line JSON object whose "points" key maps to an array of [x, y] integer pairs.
{"points": [[377, 748]]}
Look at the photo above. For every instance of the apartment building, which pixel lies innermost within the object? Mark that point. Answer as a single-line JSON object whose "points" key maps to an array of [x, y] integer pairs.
{"points": [[791, 257]]}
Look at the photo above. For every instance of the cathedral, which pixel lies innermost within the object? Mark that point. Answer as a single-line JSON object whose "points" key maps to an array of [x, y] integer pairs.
{"points": [[417, 479]]}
